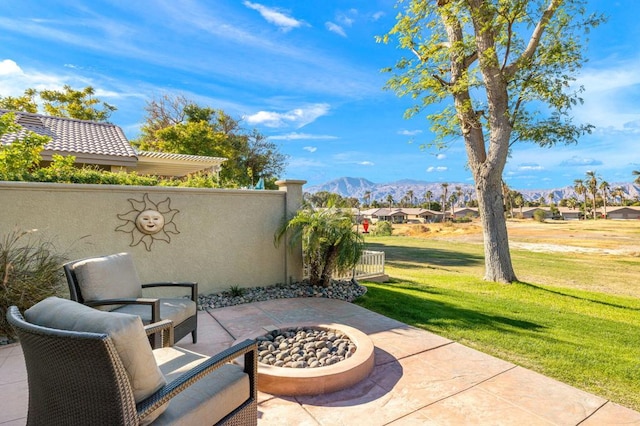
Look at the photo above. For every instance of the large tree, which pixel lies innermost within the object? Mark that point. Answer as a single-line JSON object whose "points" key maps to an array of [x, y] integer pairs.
{"points": [[493, 59], [178, 125]]}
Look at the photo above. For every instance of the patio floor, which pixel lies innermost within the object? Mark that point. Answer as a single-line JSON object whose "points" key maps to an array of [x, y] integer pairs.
{"points": [[419, 377]]}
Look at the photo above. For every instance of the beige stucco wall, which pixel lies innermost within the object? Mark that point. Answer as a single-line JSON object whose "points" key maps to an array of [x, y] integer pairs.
{"points": [[225, 236]]}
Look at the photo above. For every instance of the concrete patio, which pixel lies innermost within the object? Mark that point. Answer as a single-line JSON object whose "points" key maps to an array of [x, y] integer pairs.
{"points": [[419, 378]]}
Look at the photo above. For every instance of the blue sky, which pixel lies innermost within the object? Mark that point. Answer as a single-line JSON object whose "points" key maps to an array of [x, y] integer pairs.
{"points": [[306, 74]]}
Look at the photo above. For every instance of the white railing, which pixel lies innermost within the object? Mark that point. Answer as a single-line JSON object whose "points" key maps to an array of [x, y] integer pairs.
{"points": [[371, 265]]}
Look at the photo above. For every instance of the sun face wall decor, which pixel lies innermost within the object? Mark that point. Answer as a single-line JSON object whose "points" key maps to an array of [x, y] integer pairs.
{"points": [[149, 221]]}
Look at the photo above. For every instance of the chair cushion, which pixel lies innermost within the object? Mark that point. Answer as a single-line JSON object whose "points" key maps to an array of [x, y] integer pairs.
{"points": [[126, 332], [176, 310], [206, 401], [108, 277]]}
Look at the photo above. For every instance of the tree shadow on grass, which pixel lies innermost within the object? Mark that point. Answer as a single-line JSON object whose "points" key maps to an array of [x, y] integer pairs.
{"points": [[403, 257], [427, 313], [559, 292]]}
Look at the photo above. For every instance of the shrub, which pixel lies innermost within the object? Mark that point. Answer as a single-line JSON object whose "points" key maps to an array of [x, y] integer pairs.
{"points": [[539, 215], [383, 229], [329, 241], [29, 272]]}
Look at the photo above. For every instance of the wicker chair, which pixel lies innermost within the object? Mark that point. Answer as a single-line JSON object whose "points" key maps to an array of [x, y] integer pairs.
{"points": [[112, 282], [84, 378]]}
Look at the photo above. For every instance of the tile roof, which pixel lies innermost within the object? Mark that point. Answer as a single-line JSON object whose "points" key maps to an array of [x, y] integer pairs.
{"points": [[103, 143], [75, 136]]}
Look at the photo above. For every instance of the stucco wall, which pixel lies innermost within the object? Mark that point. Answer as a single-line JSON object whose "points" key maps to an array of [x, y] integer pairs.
{"points": [[225, 237]]}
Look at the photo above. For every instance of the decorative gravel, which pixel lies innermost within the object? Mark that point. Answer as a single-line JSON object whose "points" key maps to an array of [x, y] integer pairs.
{"points": [[342, 290], [302, 347]]}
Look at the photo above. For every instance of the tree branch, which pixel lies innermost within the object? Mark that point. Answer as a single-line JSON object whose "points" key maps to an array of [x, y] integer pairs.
{"points": [[536, 36]]}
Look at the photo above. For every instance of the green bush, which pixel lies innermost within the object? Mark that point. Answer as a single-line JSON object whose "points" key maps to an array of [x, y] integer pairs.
{"points": [[539, 215], [30, 271], [383, 229]]}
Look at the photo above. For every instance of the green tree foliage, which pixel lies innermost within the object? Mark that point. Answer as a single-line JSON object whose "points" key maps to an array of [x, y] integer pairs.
{"points": [[25, 103], [79, 104], [22, 154], [383, 228], [329, 241], [539, 215], [177, 125], [323, 199], [70, 103], [492, 66]]}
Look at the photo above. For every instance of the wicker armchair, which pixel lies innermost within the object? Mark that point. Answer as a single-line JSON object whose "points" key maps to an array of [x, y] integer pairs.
{"points": [[87, 378], [112, 283]]}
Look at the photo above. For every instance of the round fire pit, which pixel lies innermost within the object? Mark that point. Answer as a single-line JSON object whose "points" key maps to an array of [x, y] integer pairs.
{"points": [[299, 380]]}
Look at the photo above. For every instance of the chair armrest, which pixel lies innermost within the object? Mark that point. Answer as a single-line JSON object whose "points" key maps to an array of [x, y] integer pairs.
{"points": [[192, 285], [165, 328], [153, 303], [248, 348]]}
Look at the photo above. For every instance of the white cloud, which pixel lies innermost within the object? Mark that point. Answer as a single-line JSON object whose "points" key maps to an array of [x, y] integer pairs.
{"points": [[527, 167], [409, 132], [437, 169], [378, 15], [15, 80], [580, 161], [310, 148], [335, 28], [8, 67], [273, 16], [610, 96], [297, 118], [441, 156], [298, 136], [366, 163]]}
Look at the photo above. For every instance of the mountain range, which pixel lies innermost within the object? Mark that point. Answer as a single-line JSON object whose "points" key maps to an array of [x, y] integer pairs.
{"points": [[357, 187]]}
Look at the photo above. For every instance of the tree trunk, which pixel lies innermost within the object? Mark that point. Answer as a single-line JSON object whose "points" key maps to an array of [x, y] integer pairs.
{"points": [[329, 266], [497, 259]]}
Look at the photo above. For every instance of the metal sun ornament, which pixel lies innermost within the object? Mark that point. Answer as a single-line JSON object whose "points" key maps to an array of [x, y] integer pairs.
{"points": [[149, 221]]}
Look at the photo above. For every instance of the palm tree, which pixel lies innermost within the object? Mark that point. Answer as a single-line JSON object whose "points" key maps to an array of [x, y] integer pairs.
{"points": [[592, 185], [444, 200], [410, 197], [518, 200], [390, 200], [637, 179], [578, 186], [458, 194], [604, 187], [551, 197], [367, 197], [618, 193], [428, 196], [329, 242]]}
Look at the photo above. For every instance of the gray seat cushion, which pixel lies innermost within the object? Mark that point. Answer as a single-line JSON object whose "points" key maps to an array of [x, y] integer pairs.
{"points": [[176, 310], [206, 401]]}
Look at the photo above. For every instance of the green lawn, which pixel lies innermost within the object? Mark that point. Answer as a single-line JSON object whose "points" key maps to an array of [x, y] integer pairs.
{"points": [[561, 320]]}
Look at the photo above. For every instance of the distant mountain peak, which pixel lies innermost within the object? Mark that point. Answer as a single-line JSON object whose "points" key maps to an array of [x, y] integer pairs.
{"points": [[358, 187]]}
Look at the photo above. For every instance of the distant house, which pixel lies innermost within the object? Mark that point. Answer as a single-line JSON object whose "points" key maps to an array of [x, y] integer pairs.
{"points": [[465, 212], [570, 214], [625, 212], [105, 146]]}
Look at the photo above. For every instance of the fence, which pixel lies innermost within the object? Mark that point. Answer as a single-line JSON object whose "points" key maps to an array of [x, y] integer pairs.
{"points": [[371, 265]]}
